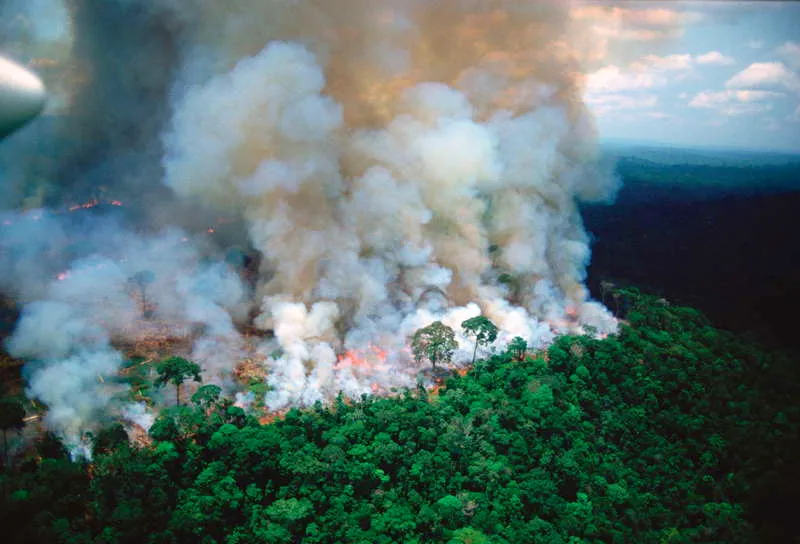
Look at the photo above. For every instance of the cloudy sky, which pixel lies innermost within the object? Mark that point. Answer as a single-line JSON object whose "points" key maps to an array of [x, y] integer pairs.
{"points": [[724, 74], [712, 73]]}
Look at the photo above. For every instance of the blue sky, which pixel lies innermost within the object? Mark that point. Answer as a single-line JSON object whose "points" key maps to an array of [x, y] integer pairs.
{"points": [[719, 74]]}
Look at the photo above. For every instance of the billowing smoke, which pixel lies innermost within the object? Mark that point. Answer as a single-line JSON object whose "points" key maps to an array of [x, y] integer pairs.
{"points": [[394, 163], [378, 150], [132, 288]]}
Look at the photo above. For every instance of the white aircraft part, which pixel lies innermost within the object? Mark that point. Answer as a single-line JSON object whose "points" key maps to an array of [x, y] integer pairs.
{"points": [[22, 96]]}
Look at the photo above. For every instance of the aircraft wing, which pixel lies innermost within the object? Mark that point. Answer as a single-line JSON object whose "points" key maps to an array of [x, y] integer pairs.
{"points": [[22, 96]]}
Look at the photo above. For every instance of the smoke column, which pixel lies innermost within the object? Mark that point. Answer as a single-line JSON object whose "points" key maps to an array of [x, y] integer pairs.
{"points": [[394, 163], [378, 150]]}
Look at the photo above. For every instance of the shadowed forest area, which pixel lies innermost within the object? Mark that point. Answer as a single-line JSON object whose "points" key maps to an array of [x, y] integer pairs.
{"points": [[713, 230]]}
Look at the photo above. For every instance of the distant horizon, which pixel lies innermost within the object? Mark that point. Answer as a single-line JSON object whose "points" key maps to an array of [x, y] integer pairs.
{"points": [[635, 142]]}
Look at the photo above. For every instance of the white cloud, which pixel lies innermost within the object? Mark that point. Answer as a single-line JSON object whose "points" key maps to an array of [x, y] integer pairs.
{"points": [[715, 58], [756, 96], [663, 64], [790, 52], [612, 79], [609, 103], [647, 72], [708, 99], [744, 109], [765, 74], [735, 102], [755, 44]]}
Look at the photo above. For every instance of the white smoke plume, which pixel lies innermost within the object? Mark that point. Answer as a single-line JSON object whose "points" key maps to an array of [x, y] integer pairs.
{"points": [[70, 333], [73, 360], [138, 414], [382, 152], [394, 163]]}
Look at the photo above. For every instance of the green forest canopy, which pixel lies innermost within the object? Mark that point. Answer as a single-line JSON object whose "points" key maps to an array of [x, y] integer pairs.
{"points": [[672, 431]]}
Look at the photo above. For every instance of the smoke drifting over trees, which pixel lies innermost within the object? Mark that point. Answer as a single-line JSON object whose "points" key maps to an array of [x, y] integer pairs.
{"points": [[374, 150]]}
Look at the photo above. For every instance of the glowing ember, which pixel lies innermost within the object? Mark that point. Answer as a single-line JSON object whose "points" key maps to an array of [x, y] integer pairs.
{"points": [[92, 203], [61, 276], [271, 417], [434, 390], [138, 436], [86, 205]]}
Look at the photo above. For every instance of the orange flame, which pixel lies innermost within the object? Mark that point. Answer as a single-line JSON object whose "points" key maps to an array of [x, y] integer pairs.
{"points": [[372, 357], [364, 361]]}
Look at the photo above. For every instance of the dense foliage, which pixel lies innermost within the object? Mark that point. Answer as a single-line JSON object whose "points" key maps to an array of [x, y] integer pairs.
{"points": [[483, 330], [436, 342], [672, 431], [176, 370]]}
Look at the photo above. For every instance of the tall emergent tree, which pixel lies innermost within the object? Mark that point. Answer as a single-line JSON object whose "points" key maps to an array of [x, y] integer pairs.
{"points": [[484, 331], [436, 342], [12, 416], [176, 370], [518, 347], [143, 278]]}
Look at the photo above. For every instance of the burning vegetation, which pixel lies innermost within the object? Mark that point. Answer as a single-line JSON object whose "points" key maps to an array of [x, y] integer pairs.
{"points": [[304, 198]]}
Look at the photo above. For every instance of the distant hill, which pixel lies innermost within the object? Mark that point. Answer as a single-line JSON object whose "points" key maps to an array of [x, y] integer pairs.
{"points": [[707, 156], [653, 174]]}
